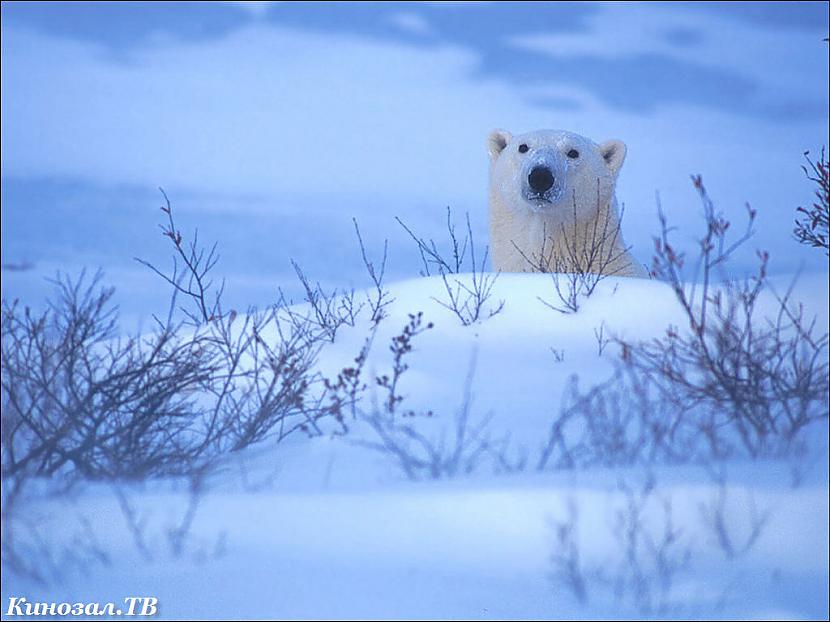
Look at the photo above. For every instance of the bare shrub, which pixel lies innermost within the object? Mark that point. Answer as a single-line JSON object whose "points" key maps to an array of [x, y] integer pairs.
{"points": [[746, 377], [714, 517], [154, 539], [82, 402], [78, 399], [602, 339], [676, 400], [650, 553], [588, 254], [378, 297], [737, 382], [653, 557], [136, 523], [324, 313], [177, 534], [566, 557], [763, 378], [642, 567], [348, 307], [433, 260], [467, 299], [191, 278], [629, 420], [812, 223], [620, 422], [30, 551], [344, 393], [395, 430]]}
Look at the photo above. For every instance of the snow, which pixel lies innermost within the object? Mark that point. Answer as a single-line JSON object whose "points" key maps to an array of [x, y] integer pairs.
{"points": [[325, 528], [271, 126]]}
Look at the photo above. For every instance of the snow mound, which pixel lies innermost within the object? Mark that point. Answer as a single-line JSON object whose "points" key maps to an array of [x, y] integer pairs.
{"points": [[327, 527]]}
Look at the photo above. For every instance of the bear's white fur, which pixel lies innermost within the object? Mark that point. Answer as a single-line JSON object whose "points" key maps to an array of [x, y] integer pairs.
{"points": [[571, 226]]}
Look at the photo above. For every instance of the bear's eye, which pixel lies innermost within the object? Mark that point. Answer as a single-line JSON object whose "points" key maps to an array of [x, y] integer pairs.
{"points": [[573, 154], [523, 148]]}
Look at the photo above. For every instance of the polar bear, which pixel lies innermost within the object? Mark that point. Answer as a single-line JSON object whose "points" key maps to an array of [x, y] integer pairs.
{"points": [[552, 204]]}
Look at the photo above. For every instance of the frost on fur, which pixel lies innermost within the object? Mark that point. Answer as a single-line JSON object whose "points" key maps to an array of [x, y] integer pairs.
{"points": [[552, 193]]}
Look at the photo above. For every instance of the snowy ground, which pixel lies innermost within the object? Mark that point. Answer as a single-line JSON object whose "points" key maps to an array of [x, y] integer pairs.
{"points": [[271, 126], [323, 528]]}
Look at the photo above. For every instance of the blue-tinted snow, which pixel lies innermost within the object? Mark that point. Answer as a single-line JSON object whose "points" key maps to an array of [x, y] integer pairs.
{"points": [[271, 126], [325, 528]]}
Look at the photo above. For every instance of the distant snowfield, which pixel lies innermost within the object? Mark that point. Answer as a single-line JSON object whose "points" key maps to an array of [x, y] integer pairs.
{"points": [[324, 528], [271, 137]]}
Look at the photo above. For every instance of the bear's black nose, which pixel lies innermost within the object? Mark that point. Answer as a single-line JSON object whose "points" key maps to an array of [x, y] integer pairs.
{"points": [[540, 179]]}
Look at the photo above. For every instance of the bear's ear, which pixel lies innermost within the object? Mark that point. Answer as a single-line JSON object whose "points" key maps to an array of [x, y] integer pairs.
{"points": [[613, 152], [497, 141]]}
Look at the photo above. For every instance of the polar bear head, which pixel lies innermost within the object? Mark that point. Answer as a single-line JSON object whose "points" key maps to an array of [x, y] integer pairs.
{"points": [[553, 172]]}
